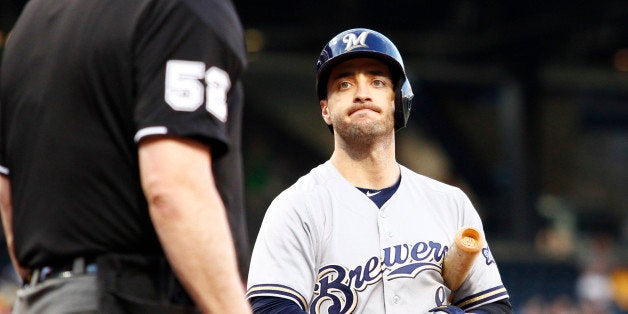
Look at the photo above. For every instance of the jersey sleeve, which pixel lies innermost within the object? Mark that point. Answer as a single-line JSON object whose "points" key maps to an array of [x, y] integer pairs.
{"points": [[283, 259], [484, 284], [184, 76]]}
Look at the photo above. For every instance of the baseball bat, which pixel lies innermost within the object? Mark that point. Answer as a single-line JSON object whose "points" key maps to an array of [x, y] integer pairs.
{"points": [[461, 255]]}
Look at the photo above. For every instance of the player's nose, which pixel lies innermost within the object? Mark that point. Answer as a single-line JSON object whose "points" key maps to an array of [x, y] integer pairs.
{"points": [[362, 92]]}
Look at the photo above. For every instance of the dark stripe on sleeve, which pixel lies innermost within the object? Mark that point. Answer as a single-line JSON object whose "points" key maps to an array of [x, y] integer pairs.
{"points": [[273, 290], [484, 297]]}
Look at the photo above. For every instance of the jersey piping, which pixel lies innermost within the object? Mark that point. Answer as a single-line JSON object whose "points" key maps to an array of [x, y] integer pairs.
{"points": [[484, 297]]}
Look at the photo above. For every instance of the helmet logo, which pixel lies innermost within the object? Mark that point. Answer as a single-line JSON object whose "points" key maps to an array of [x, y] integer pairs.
{"points": [[354, 41]]}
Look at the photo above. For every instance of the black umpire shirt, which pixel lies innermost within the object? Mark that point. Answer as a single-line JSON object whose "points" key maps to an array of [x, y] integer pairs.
{"points": [[81, 83]]}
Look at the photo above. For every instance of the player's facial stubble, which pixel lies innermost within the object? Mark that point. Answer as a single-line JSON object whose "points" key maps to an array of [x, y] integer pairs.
{"points": [[363, 131]]}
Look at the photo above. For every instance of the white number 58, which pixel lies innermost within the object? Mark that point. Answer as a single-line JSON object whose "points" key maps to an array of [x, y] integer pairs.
{"points": [[185, 91]]}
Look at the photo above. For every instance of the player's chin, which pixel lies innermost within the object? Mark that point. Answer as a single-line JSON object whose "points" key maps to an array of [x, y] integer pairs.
{"points": [[371, 120], [364, 130]]}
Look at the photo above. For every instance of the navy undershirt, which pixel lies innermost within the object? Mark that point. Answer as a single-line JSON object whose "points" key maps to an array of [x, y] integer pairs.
{"points": [[379, 197]]}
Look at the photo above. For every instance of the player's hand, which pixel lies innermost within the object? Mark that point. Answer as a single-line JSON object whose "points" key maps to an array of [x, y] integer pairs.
{"points": [[450, 309]]}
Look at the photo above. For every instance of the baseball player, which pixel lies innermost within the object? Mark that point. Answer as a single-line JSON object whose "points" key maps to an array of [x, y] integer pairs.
{"points": [[362, 233], [120, 161]]}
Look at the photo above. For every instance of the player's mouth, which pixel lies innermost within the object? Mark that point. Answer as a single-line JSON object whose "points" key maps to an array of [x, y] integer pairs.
{"points": [[363, 108]]}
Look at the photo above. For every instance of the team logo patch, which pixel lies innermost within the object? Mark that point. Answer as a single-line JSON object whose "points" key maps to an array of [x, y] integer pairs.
{"points": [[352, 41], [488, 256]]}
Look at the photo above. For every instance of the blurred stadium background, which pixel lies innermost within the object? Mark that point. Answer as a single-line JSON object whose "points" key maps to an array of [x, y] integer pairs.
{"points": [[523, 104]]}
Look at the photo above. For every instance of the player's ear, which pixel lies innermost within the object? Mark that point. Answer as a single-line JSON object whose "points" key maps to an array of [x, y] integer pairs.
{"points": [[325, 111]]}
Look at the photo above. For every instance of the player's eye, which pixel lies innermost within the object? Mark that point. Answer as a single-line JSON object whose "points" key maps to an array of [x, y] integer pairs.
{"points": [[379, 83], [344, 85]]}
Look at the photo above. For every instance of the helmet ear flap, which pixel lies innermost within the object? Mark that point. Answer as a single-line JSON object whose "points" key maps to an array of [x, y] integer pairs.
{"points": [[403, 103]]}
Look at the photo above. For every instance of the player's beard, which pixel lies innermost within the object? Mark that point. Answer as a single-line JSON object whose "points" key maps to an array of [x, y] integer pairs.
{"points": [[364, 132]]}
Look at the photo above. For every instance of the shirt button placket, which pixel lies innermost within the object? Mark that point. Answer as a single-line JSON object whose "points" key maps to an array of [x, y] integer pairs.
{"points": [[396, 299]]}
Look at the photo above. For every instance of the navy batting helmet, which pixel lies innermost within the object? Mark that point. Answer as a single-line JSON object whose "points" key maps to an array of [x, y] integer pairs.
{"points": [[362, 42]]}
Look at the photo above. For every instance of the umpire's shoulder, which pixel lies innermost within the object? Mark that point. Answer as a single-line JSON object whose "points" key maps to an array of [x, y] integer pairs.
{"points": [[222, 17]]}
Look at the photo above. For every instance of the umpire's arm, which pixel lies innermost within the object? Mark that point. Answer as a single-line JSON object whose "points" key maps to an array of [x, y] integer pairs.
{"points": [[190, 220], [6, 208]]}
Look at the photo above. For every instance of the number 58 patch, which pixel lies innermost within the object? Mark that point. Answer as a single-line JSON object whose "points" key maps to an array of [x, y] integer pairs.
{"points": [[185, 90]]}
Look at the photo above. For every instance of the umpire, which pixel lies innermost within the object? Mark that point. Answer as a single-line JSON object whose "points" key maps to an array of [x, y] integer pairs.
{"points": [[121, 186]]}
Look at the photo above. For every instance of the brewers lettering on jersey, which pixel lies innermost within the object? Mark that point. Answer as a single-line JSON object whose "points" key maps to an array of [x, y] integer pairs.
{"points": [[361, 233]]}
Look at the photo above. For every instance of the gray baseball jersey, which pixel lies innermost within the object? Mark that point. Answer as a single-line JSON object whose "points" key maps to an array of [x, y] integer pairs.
{"points": [[325, 245]]}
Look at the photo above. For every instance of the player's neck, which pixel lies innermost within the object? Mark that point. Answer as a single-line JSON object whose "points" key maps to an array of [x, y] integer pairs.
{"points": [[376, 168]]}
